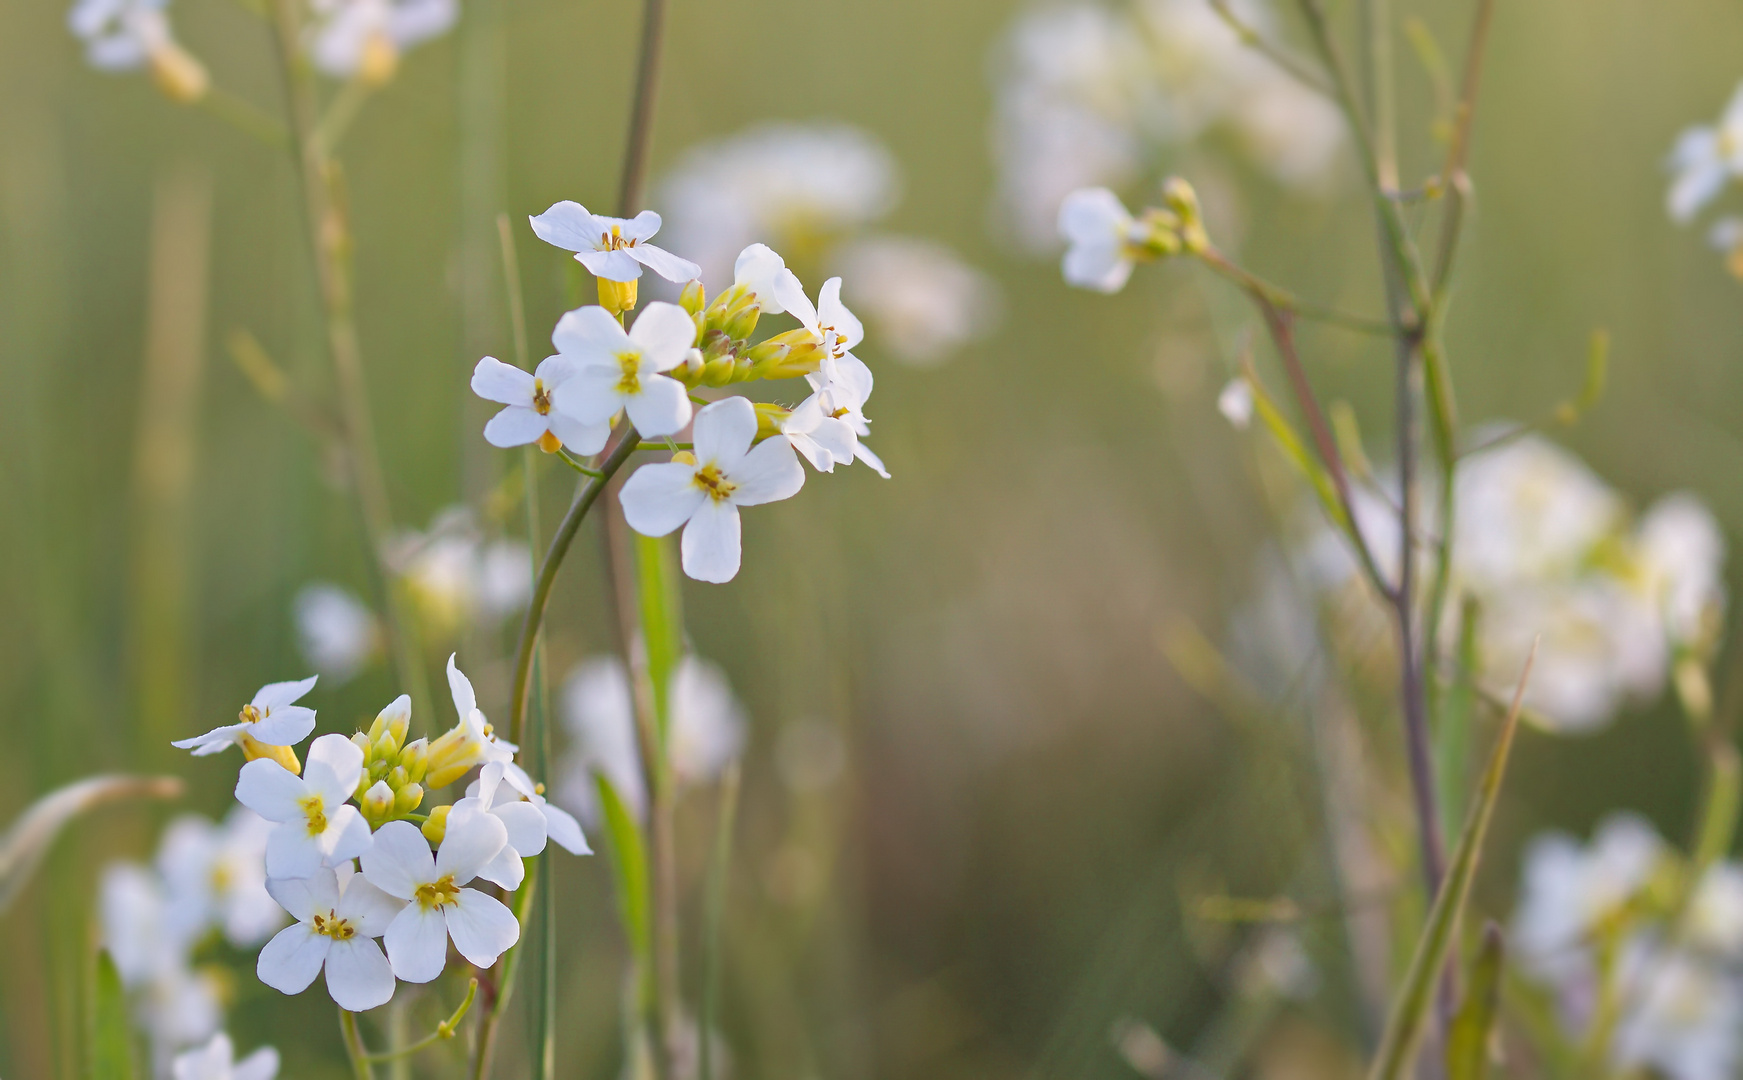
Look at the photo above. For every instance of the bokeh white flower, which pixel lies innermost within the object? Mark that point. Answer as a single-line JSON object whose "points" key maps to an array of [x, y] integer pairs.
{"points": [[1706, 158], [364, 39], [217, 1061], [924, 303], [337, 633], [215, 875]]}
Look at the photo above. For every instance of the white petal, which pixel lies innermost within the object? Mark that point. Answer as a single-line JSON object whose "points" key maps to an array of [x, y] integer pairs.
{"points": [[710, 547], [864, 453], [1694, 188], [286, 725], [272, 695], [303, 897], [399, 860], [610, 265], [260, 1065], [525, 824], [813, 451], [567, 225], [291, 852], [592, 396], [369, 909], [564, 830], [504, 868], [791, 296], [769, 473], [465, 700], [335, 765], [494, 380], [515, 426], [724, 431], [638, 228], [482, 928], [358, 976], [664, 263], [580, 438], [472, 838], [218, 739], [756, 268], [665, 333], [659, 498], [832, 312], [271, 790], [1103, 267], [417, 943], [1092, 215], [662, 407], [291, 960], [346, 836], [590, 333]]}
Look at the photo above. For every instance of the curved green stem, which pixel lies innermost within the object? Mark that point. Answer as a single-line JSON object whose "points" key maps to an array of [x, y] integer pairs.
{"points": [[444, 1030], [354, 1050]]}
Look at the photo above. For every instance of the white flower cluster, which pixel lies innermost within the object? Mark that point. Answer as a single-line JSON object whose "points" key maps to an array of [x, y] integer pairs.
{"points": [[134, 35], [813, 191], [343, 843], [1594, 925], [1704, 161], [1546, 548], [206, 880], [457, 578], [740, 454], [1094, 95]]}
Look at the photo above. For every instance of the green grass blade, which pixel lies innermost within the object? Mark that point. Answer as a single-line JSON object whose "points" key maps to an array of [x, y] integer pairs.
{"points": [[1467, 1044], [629, 865], [1410, 1008], [111, 1046], [23, 846]]}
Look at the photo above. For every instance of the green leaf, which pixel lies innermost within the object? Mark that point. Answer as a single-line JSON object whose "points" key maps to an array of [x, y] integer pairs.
{"points": [[23, 846], [629, 865], [660, 600], [1452, 735], [111, 1046], [1410, 1008], [1467, 1044]]}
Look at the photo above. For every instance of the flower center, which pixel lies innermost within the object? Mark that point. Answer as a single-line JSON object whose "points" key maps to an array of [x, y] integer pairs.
{"points": [[631, 362], [832, 343], [252, 714], [614, 241], [315, 811], [437, 894], [541, 398], [331, 925], [220, 878], [710, 479]]}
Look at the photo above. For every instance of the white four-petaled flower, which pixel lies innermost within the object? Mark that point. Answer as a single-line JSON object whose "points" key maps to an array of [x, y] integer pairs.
{"points": [[532, 415], [439, 907], [702, 491], [615, 249], [1101, 236], [504, 790], [338, 917], [1704, 158], [616, 370], [270, 718], [316, 827], [217, 1061]]}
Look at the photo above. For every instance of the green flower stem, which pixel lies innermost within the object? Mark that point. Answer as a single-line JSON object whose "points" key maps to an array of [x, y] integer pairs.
{"points": [[360, 1069], [507, 968], [714, 915], [444, 1030], [245, 116]]}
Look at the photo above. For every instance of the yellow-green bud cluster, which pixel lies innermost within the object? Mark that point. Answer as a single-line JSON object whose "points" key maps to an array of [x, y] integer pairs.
{"points": [[393, 770], [1175, 228], [725, 354]]}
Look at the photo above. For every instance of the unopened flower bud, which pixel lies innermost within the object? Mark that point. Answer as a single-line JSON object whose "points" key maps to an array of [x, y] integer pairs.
{"points": [[362, 742], [253, 749], [693, 298], [385, 749], [741, 322], [180, 76], [1189, 226], [408, 798], [379, 61], [377, 802], [617, 297], [715, 344], [770, 417], [397, 777], [415, 758], [437, 826], [718, 372]]}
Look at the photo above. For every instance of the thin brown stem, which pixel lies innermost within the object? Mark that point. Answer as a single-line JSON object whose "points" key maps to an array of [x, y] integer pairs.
{"points": [[1452, 176], [641, 115]]}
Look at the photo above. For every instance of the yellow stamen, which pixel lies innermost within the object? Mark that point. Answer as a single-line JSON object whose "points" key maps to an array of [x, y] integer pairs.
{"points": [[331, 925], [315, 812], [437, 894], [631, 382], [541, 398], [710, 479]]}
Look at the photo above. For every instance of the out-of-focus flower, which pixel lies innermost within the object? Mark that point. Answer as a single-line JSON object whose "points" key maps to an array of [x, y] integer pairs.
{"points": [[797, 187], [149, 944], [337, 632], [615, 369], [1726, 237], [316, 826], [270, 719], [701, 492], [1682, 555], [127, 35], [1716, 918], [439, 906], [707, 723], [1572, 895], [1704, 159], [217, 1061], [532, 415], [216, 876], [363, 39], [1681, 1016], [1103, 241], [454, 577], [338, 917], [1235, 402], [1527, 510], [923, 301]]}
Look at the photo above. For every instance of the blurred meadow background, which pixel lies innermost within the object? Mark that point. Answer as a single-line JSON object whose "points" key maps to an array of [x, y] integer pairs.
{"points": [[982, 804]]}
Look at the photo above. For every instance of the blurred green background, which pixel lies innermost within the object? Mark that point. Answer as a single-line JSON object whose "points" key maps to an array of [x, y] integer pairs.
{"points": [[996, 879]]}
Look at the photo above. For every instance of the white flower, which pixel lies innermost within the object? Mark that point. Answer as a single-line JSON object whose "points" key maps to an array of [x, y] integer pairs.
{"points": [[338, 917], [439, 906], [142, 940], [1528, 510], [1681, 1014], [454, 577], [1716, 917], [836, 328], [1235, 402], [316, 826], [1682, 551], [271, 719], [796, 186], [826, 428], [707, 722], [615, 249], [216, 875], [924, 301], [704, 492], [618, 370], [1101, 238], [1291, 130], [363, 38], [217, 1061], [470, 742], [337, 633], [756, 270], [127, 35], [506, 791], [532, 416], [1704, 158], [1569, 892]]}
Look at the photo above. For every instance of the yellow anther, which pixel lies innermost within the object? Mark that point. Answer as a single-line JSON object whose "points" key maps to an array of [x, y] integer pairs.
{"points": [[315, 812], [541, 398], [437, 894], [710, 479]]}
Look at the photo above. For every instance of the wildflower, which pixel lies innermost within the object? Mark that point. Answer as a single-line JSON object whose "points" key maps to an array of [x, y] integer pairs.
{"points": [[924, 301], [756, 270], [1716, 914], [1682, 555], [799, 187], [337, 633], [505, 790], [618, 370], [217, 1061], [829, 426], [270, 719], [150, 944], [1235, 402], [1105, 242], [470, 742], [1704, 158], [531, 416], [455, 577], [316, 826], [1573, 896], [703, 491], [216, 875], [1682, 1014], [363, 39], [612, 249], [339, 915], [126, 35], [820, 437], [438, 906], [835, 329], [1726, 237]]}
